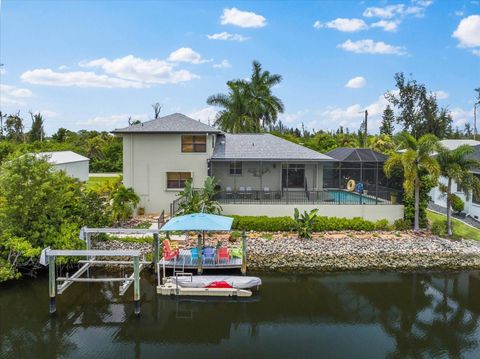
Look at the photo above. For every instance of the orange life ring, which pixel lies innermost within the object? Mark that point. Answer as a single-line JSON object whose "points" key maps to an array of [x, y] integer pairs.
{"points": [[351, 185]]}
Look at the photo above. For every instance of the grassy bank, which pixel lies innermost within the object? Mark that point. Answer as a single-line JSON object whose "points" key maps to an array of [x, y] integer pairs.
{"points": [[460, 230], [96, 182]]}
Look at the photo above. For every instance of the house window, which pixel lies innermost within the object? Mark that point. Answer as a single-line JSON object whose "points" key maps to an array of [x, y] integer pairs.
{"points": [[236, 168], [194, 143], [459, 188], [177, 179], [476, 199]]}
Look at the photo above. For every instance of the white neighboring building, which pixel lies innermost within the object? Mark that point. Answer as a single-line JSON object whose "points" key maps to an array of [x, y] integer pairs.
{"points": [[472, 205], [72, 163]]}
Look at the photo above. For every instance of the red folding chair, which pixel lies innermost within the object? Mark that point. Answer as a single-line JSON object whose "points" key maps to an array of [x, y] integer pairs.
{"points": [[222, 254]]}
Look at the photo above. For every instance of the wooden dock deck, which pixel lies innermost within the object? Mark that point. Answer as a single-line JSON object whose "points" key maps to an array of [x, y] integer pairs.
{"points": [[185, 261]]}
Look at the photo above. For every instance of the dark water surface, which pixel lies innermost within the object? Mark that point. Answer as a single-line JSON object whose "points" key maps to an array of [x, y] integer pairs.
{"points": [[345, 315]]}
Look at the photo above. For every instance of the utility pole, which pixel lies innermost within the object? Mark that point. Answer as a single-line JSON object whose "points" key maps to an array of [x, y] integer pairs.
{"points": [[475, 113]]}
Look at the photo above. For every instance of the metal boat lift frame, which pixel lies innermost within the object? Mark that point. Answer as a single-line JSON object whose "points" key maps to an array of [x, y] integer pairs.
{"points": [[91, 255]]}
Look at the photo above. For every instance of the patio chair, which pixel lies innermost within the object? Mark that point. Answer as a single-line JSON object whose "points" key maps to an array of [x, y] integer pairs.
{"points": [[228, 192], [173, 244], [266, 192], [222, 254], [194, 255], [249, 192], [209, 255], [168, 252], [241, 192], [236, 252]]}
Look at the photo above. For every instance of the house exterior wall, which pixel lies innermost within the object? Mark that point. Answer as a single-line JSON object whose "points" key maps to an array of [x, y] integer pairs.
{"points": [[368, 212], [148, 157], [272, 178], [78, 169], [471, 209]]}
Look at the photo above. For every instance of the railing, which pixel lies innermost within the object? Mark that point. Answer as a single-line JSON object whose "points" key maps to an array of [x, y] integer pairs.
{"points": [[175, 206], [326, 196]]}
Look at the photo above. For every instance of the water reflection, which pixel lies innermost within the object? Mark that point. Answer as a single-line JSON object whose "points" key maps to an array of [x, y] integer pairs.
{"points": [[362, 315]]}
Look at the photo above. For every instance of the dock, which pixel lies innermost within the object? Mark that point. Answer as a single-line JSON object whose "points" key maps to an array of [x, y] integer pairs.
{"points": [[185, 261]]}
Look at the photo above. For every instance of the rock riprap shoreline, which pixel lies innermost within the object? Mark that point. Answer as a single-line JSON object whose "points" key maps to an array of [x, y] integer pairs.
{"points": [[347, 251]]}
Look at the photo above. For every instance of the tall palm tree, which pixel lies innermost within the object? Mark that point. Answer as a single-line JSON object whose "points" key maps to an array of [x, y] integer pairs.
{"points": [[235, 117], [264, 105], [416, 158], [457, 165], [250, 105]]}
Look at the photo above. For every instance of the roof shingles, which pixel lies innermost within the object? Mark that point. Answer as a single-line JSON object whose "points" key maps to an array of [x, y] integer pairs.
{"points": [[267, 147]]}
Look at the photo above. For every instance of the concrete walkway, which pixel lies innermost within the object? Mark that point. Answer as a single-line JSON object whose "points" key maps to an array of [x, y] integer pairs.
{"points": [[442, 210]]}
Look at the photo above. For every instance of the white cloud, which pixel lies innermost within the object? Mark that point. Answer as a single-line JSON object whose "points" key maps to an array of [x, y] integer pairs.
{"points": [[13, 96], [75, 78], [63, 67], [343, 24], [468, 32], [48, 113], [459, 13], [206, 115], [476, 52], [186, 54], [386, 12], [240, 18], [387, 25], [356, 82], [225, 64], [226, 36], [369, 46], [441, 95], [125, 72], [460, 116], [112, 120]]}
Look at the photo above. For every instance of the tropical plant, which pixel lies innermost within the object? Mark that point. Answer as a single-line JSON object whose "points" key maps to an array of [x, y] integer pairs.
{"points": [[457, 165], [305, 222], [250, 105], [457, 204], [123, 201], [415, 159], [200, 200]]}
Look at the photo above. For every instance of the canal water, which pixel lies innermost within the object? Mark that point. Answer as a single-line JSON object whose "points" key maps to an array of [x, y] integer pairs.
{"points": [[342, 315]]}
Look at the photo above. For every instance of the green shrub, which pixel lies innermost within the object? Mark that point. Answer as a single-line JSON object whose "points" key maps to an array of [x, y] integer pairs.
{"points": [[305, 222], [457, 204], [403, 224], [285, 224], [382, 225], [439, 228]]}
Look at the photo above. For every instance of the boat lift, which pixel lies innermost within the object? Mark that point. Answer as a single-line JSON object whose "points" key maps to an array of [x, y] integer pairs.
{"points": [[48, 257]]}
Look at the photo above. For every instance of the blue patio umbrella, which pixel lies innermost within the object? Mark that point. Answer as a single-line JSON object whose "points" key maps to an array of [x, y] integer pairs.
{"points": [[199, 222]]}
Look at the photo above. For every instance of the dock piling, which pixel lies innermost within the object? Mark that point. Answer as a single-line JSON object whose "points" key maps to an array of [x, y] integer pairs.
{"points": [[244, 253], [136, 284], [52, 284], [200, 254], [155, 252]]}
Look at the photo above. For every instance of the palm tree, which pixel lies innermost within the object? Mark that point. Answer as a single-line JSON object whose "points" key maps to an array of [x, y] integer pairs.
{"points": [[235, 117], [123, 201], [456, 165], [415, 159], [264, 105], [249, 106]]}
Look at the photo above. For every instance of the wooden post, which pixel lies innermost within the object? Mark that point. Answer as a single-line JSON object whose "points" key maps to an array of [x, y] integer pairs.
{"points": [[52, 288], [244, 253], [136, 285], [155, 252], [200, 255]]}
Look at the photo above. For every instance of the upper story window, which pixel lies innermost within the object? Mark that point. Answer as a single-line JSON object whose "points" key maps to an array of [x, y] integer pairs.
{"points": [[194, 143], [236, 168]]}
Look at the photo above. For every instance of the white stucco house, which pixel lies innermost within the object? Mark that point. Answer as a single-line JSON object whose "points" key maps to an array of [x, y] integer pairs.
{"points": [[258, 174], [472, 204], [72, 163]]}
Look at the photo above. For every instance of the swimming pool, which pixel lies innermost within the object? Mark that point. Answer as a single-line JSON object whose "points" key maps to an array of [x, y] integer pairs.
{"points": [[344, 197]]}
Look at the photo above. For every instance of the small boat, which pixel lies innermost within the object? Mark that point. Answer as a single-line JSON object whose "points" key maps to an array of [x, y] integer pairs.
{"points": [[209, 285]]}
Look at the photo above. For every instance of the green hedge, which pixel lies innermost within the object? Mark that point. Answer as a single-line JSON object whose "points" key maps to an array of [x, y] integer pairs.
{"points": [[271, 224]]}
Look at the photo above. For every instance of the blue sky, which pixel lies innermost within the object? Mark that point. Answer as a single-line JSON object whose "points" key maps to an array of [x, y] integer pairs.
{"points": [[91, 64]]}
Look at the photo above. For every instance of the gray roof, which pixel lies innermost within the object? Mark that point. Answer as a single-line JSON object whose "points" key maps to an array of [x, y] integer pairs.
{"points": [[454, 144], [266, 147], [347, 154], [174, 123], [61, 157]]}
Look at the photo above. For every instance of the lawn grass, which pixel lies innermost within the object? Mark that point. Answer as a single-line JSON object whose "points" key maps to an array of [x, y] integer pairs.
{"points": [[95, 182], [460, 230]]}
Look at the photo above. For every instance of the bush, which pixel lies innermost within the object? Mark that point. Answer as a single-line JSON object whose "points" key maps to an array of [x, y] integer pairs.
{"points": [[305, 222], [456, 203], [382, 225], [403, 224], [285, 224], [439, 228]]}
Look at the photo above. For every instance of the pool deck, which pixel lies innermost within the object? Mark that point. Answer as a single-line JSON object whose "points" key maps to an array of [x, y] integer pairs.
{"points": [[185, 261]]}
